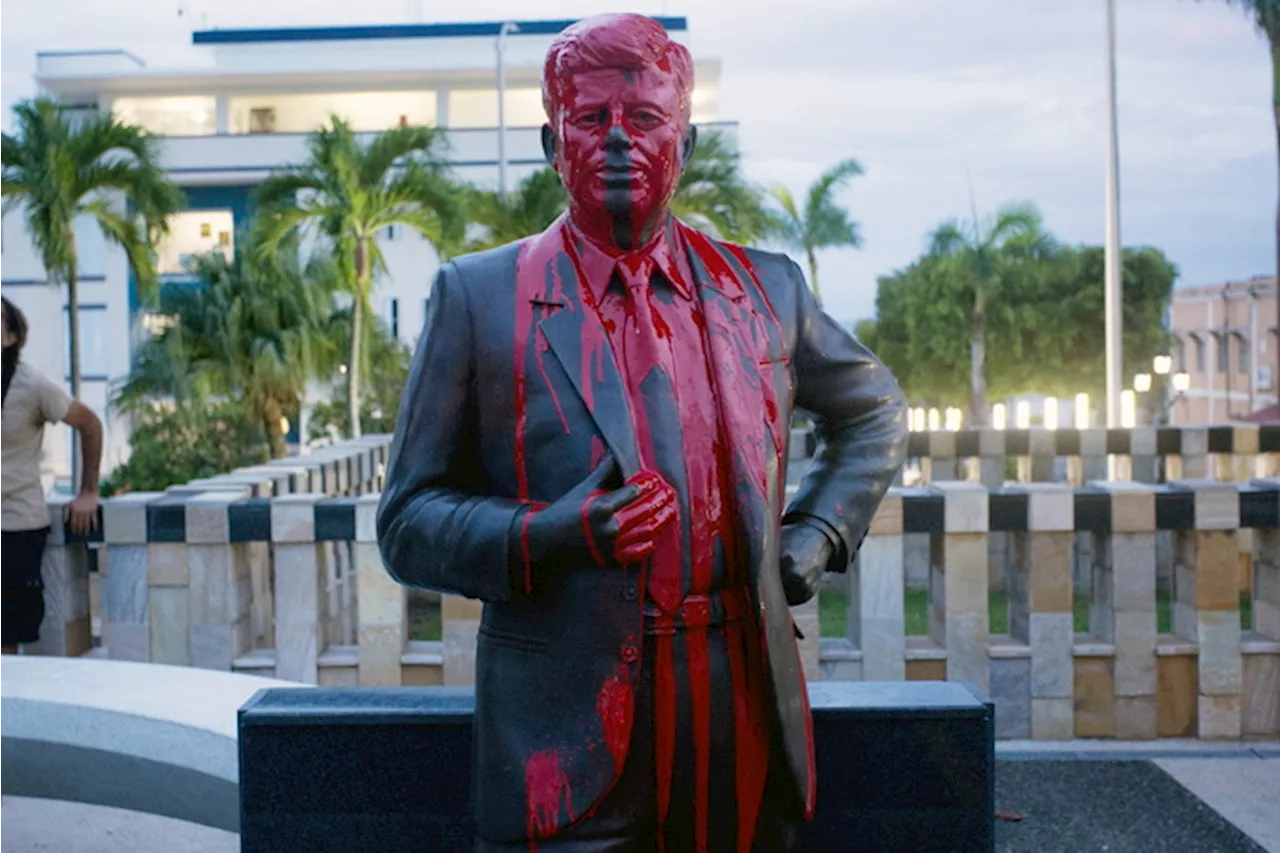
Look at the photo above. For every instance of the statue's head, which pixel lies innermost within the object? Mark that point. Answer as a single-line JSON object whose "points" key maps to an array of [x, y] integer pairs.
{"points": [[617, 92]]}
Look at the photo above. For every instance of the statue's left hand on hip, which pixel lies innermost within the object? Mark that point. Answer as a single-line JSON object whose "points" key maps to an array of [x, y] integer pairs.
{"points": [[806, 551]]}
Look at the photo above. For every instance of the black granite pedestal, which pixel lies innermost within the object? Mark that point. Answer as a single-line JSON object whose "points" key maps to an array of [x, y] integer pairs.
{"points": [[902, 766]]}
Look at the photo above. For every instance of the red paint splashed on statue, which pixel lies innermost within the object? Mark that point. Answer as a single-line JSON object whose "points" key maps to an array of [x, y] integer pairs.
{"points": [[546, 791], [616, 706]]}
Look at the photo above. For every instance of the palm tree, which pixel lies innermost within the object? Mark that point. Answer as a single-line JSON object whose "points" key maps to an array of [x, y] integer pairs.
{"points": [[251, 330], [57, 170], [1266, 17], [715, 196], [974, 255], [346, 192], [822, 224], [529, 209]]}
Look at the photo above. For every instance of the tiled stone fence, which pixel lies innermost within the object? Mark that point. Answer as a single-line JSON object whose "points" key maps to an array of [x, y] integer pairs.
{"points": [[1235, 453], [290, 585]]}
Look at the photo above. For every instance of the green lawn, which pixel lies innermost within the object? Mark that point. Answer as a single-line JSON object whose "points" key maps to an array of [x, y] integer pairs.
{"points": [[831, 604], [424, 613], [424, 618]]}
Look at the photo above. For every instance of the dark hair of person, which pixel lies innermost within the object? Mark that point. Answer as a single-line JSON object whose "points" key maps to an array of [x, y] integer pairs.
{"points": [[16, 322]]}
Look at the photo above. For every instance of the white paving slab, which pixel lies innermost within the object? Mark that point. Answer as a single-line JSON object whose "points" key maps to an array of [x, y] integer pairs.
{"points": [[56, 826], [1245, 791]]}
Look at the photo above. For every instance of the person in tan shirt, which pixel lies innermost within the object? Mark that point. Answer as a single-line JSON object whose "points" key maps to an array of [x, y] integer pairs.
{"points": [[31, 400]]}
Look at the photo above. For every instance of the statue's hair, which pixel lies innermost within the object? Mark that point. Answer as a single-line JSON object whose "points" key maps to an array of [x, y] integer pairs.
{"points": [[623, 41]]}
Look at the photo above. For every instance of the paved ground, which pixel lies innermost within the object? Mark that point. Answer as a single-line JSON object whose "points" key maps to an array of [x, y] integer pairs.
{"points": [[1245, 792], [1102, 805], [53, 826], [1097, 804]]}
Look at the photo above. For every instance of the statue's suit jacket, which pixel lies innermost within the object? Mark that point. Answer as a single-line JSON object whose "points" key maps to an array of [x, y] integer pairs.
{"points": [[513, 397]]}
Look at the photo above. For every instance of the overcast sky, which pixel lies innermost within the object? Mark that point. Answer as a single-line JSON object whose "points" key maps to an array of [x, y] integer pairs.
{"points": [[922, 92]]}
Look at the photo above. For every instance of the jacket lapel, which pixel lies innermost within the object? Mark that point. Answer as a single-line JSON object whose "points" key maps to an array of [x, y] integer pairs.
{"points": [[550, 286], [738, 340]]}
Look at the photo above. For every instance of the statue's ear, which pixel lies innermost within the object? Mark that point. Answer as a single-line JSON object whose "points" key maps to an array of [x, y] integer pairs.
{"points": [[549, 145], [690, 142]]}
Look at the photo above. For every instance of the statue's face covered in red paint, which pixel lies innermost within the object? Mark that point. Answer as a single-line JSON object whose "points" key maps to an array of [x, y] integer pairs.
{"points": [[619, 133]]}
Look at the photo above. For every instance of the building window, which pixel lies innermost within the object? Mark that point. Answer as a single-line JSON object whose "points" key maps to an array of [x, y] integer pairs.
{"points": [[192, 233], [93, 341], [1182, 354], [1243, 359], [388, 234], [195, 115], [395, 318], [303, 113], [1223, 352], [1198, 342]]}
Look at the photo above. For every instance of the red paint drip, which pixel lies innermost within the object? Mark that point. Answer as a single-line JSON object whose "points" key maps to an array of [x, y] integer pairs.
{"points": [[546, 791], [700, 694], [664, 721], [551, 389], [616, 707], [751, 743]]}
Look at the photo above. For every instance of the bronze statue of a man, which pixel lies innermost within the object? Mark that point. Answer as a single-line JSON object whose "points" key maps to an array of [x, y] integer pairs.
{"points": [[593, 442]]}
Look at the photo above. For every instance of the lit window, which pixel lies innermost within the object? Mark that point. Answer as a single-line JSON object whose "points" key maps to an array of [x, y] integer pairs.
{"points": [[177, 116], [192, 233]]}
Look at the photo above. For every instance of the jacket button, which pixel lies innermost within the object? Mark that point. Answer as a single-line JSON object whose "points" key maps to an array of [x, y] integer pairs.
{"points": [[630, 654], [629, 592]]}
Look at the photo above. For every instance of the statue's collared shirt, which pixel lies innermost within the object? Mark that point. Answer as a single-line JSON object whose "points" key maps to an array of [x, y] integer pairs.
{"points": [[676, 414]]}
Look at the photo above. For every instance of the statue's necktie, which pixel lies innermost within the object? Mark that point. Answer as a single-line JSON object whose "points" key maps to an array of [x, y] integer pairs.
{"points": [[655, 409]]}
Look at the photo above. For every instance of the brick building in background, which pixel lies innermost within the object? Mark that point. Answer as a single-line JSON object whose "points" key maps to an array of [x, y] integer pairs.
{"points": [[1226, 338]]}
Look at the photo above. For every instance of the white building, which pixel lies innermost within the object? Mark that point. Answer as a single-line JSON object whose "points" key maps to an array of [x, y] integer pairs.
{"points": [[228, 123]]}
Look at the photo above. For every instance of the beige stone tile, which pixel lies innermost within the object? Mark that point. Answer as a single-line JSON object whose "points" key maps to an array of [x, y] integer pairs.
{"points": [[421, 675], [208, 518], [1260, 699], [1094, 698], [1132, 559], [1177, 695], [1135, 642], [1049, 582], [888, 518], [1137, 717], [965, 572], [942, 444], [1219, 717], [1220, 664], [1051, 662], [293, 518], [1050, 507], [878, 572], [1052, 719], [455, 608], [967, 655], [338, 676], [1133, 510], [965, 507], [124, 519], [1244, 440], [1217, 507], [1142, 441], [167, 564], [380, 650], [170, 624], [926, 670], [1216, 568], [367, 518], [883, 649]]}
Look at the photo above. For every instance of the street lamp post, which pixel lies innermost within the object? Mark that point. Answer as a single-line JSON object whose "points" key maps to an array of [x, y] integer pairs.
{"points": [[507, 28], [1113, 258]]}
